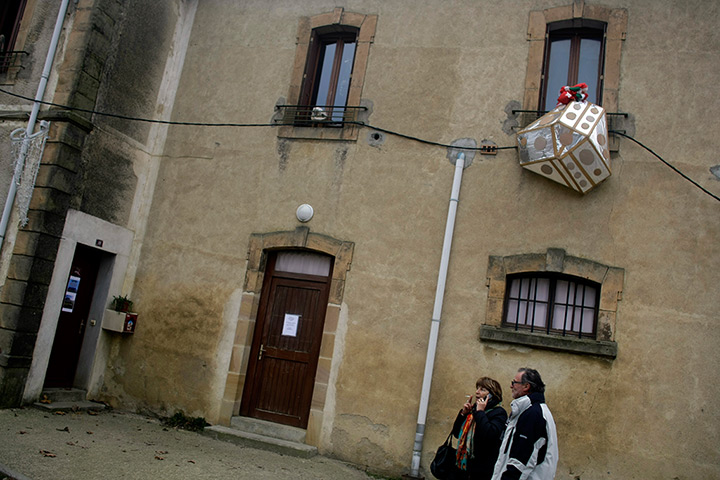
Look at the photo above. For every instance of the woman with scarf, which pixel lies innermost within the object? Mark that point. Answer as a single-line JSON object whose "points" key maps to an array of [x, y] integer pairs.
{"points": [[479, 428]]}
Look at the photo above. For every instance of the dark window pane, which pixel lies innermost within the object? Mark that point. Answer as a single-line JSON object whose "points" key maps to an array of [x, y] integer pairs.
{"points": [[11, 12], [343, 84], [557, 76], [574, 55], [326, 67], [589, 66]]}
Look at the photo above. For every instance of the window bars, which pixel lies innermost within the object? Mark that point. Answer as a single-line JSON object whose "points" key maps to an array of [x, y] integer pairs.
{"points": [[554, 306], [526, 117], [318, 115], [8, 58]]}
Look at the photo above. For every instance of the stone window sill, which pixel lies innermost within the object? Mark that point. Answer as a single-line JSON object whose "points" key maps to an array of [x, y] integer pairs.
{"points": [[549, 342], [309, 133]]}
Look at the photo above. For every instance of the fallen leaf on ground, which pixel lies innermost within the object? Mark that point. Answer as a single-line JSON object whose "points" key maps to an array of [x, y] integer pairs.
{"points": [[59, 413], [89, 432], [45, 399], [66, 429], [158, 458], [45, 453], [191, 461], [22, 432]]}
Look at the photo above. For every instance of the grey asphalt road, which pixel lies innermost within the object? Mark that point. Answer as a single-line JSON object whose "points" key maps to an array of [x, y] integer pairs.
{"points": [[39, 445]]}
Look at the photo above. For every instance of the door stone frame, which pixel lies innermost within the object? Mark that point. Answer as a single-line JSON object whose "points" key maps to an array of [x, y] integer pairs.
{"points": [[258, 247], [80, 228]]}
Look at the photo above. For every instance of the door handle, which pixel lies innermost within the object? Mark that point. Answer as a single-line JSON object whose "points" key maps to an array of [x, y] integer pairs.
{"points": [[262, 349], [82, 324]]}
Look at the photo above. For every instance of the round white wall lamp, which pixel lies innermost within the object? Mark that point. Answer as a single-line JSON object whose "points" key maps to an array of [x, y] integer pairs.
{"points": [[304, 212]]}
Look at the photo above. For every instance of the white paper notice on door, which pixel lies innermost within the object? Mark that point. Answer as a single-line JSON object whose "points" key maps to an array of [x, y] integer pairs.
{"points": [[290, 325]]}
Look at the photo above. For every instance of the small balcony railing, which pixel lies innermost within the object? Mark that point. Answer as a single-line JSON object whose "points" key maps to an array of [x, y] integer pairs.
{"points": [[9, 59], [318, 115], [615, 120]]}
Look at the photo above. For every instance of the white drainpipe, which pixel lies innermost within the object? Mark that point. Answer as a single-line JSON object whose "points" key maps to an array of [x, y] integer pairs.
{"points": [[437, 312], [33, 118]]}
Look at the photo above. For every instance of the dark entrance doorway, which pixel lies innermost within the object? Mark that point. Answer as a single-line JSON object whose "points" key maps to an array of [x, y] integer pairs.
{"points": [[73, 318], [286, 342]]}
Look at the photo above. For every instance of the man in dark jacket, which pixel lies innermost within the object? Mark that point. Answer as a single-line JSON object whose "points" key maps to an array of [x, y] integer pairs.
{"points": [[529, 448]]}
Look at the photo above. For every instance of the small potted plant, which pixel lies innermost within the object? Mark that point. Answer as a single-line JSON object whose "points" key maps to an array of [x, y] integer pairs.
{"points": [[119, 318], [121, 303]]}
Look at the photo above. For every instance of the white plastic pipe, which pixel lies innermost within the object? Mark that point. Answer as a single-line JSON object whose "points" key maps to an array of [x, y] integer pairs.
{"points": [[33, 118], [437, 312]]}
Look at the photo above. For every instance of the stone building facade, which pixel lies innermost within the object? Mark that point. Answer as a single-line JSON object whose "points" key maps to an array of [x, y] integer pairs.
{"points": [[324, 324]]}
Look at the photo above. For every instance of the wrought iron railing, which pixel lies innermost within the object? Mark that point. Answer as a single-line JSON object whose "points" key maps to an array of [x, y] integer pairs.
{"points": [[318, 115], [9, 60], [526, 117]]}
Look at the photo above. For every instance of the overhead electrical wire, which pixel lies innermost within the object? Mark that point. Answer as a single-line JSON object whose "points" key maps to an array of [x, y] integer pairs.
{"points": [[361, 124], [667, 163], [225, 124], [140, 119], [427, 142]]}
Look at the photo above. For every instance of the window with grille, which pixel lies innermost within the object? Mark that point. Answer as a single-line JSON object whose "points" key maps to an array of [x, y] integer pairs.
{"points": [[574, 53], [555, 305]]}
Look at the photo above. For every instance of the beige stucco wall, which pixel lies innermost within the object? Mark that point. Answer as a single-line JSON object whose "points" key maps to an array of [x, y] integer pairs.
{"points": [[441, 71]]}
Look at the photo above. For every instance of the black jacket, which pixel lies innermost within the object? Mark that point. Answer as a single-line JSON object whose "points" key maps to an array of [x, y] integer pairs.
{"points": [[489, 430]]}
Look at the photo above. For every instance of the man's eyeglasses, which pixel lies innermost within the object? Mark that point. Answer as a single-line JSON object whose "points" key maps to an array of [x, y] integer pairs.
{"points": [[514, 382]]}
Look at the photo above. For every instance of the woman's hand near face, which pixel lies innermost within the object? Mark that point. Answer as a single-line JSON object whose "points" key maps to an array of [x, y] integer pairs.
{"points": [[481, 403], [467, 407]]}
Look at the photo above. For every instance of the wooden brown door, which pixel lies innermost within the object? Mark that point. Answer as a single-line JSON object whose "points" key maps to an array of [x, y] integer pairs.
{"points": [[286, 346], [70, 330]]}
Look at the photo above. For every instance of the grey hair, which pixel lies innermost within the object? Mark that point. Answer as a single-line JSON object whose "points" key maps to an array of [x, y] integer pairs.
{"points": [[532, 378]]}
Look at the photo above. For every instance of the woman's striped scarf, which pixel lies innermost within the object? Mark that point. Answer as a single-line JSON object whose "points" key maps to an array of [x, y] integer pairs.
{"points": [[465, 442]]}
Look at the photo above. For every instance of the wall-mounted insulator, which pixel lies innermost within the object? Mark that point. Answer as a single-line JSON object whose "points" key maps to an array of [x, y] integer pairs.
{"points": [[488, 149]]}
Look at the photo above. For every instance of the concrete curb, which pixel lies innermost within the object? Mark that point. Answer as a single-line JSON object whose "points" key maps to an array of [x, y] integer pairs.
{"points": [[262, 442]]}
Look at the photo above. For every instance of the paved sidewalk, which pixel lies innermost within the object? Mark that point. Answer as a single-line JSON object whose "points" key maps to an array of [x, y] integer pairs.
{"points": [[41, 445]]}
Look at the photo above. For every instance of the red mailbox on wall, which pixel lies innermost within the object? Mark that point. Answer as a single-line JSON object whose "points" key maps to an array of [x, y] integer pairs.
{"points": [[130, 322]]}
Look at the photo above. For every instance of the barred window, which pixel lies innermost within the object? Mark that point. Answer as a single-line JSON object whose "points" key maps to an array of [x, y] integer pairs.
{"points": [[556, 305]]}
